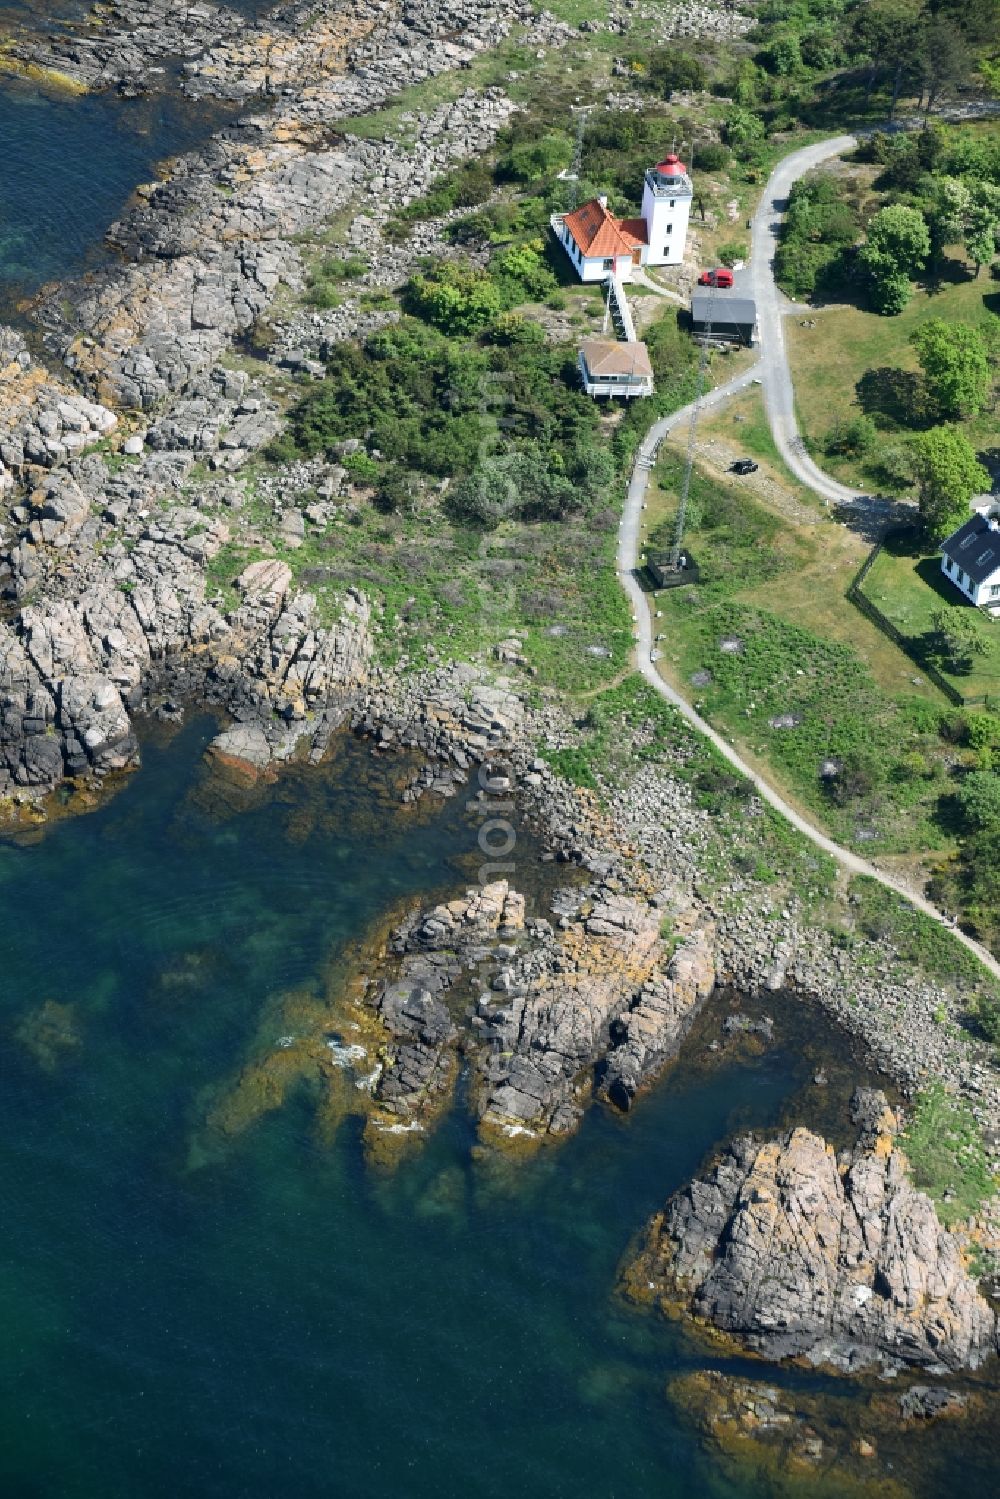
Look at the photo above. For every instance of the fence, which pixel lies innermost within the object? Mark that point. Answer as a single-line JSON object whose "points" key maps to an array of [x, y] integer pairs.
{"points": [[864, 605]]}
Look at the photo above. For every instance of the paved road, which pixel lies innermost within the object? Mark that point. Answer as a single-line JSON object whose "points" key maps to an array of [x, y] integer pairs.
{"points": [[772, 370], [772, 306]]}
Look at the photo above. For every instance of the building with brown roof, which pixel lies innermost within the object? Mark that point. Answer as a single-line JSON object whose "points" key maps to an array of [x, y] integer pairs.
{"points": [[608, 368]]}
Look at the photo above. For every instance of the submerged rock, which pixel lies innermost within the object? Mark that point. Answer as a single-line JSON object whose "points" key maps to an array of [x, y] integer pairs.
{"points": [[49, 1033], [807, 1446], [796, 1254]]}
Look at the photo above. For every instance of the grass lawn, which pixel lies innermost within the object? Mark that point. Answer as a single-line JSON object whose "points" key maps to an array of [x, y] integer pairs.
{"points": [[829, 359], [768, 648], [824, 555], [908, 588]]}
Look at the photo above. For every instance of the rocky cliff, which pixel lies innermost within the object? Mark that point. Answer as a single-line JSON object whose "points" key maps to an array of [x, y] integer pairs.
{"points": [[108, 560], [795, 1252]]}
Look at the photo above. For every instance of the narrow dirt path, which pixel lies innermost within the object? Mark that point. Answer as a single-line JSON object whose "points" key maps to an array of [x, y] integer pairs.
{"points": [[773, 371]]}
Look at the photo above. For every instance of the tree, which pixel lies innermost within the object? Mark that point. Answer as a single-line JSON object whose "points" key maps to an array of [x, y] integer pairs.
{"points": [[948, 211], [783, 57], [948, 475], [956, 639], [982, 224], [745, 133], [956, 369], [882, 35], [980, 800], [898, 245], [944, 59], [669, 70], [890, 290]]}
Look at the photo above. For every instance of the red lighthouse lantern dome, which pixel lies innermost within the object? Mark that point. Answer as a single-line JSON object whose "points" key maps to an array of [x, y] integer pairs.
{"points": [[670, 166]]}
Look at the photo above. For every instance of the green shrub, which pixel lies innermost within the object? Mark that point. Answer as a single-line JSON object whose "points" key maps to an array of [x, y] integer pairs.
{"points": [[456, 298], [323, 294], [851, 437], [361, 467], [733, 251], [713, 156]]}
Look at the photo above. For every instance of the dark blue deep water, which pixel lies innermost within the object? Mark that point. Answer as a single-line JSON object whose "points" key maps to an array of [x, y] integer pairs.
{"points": [[68, 167], [277, 1319]]}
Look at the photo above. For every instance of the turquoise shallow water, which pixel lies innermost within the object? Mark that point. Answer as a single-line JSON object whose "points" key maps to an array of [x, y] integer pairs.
{"points": [[279, 1320]]}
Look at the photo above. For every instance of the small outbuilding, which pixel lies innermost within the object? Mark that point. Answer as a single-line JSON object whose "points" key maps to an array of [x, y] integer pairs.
{"points": [[663, 575], [724, 318], [970, 559], [609, 368]]}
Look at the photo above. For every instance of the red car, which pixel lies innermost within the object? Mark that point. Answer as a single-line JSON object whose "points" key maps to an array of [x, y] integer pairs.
{"points": [[720, 277]]}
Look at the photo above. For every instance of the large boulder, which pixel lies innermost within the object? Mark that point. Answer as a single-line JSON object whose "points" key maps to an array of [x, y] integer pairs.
{"points": [[796, 1253]]}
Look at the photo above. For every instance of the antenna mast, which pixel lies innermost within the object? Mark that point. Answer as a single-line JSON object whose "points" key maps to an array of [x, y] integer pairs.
{"points": [[675, 550], [573, 177]]}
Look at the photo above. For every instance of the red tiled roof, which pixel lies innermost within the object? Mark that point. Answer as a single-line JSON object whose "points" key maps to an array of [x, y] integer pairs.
{"points": [[636, 228], [598, 233]]}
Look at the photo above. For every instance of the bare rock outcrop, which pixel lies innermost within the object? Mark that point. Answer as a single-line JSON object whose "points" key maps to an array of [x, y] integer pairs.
{"points": [[535, 1005], [795, 1252]]}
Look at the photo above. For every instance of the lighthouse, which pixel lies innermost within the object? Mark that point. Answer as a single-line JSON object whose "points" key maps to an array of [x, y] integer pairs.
{"points": [[666, 209], [599, 245]]}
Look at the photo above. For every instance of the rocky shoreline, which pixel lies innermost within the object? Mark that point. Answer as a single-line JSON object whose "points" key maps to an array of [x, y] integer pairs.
{"points": [[795, 1253], [119, 478]]}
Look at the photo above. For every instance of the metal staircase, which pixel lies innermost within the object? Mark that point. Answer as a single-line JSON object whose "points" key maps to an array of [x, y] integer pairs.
{"points": [[618, 310]]}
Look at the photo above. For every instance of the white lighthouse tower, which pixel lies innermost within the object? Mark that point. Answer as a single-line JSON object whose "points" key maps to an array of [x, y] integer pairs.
{"points": [[666, 209]]}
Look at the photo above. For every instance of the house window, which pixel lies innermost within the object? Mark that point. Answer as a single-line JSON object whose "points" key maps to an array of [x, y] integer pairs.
{"points": [[609, 264], [966, 580], [995, 590]]}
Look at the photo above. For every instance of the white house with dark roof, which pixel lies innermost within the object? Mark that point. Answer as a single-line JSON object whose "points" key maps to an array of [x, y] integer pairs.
{"points": [[970, 559]]}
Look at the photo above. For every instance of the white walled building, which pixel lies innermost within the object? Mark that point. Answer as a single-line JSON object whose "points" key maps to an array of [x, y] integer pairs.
{"points": [[970, 559], [600, 245], [666, 209]]}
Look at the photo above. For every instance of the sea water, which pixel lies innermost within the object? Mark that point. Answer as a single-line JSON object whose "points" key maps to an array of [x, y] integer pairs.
{"points": [[274, 1317]]}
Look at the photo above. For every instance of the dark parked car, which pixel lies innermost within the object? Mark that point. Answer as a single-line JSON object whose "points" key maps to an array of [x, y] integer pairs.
{"points": [[743, 466]]}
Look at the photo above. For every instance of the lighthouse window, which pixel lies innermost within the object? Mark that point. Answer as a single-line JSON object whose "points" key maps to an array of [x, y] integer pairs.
{"points": [[673, 202], [669, 229]]}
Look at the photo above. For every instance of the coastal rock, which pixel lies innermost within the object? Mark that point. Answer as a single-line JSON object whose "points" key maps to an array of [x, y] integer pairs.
{"points": [[548, 1000], [796, 1254], [651, 1031]]}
